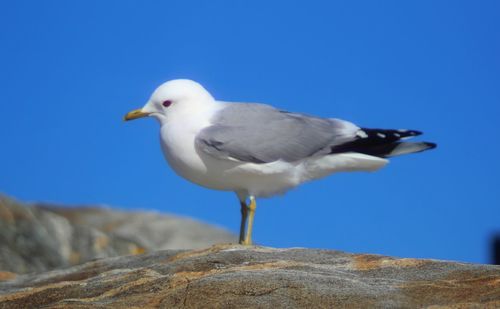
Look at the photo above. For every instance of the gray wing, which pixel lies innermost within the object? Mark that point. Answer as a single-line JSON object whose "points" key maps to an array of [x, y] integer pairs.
{"points": [[259, 133]]}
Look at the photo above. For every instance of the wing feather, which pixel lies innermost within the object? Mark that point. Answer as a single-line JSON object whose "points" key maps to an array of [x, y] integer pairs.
{"points": [[259, 133]]}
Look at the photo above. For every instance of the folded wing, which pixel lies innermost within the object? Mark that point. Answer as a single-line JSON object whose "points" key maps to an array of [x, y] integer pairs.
{"points": [[259, 133]]}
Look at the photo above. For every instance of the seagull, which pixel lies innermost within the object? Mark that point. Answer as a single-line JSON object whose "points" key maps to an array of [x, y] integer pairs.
{"points": [[257, 150]]}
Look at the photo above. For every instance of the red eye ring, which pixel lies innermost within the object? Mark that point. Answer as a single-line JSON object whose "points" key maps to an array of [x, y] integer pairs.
{"points": [[167, 103]]}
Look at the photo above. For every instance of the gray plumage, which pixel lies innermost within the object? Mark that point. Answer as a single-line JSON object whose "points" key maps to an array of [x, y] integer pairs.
{"points": [[259, 133]]}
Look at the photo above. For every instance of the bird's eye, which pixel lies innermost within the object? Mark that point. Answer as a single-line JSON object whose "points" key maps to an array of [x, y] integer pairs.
{"points": [[167, 103]]}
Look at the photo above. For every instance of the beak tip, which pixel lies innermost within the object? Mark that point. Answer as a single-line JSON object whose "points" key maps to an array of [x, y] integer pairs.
{"points": [[138, 113]]}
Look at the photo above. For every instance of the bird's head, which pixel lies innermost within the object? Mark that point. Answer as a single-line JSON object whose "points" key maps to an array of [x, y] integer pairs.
{"points": [[178, 95]]}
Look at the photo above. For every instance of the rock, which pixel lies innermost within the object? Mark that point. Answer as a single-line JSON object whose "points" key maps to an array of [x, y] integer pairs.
{"points": [[41, 237], [233, 276]]}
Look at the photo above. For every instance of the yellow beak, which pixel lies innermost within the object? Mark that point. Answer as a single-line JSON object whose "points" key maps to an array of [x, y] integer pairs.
{"points": [[138, 113]]}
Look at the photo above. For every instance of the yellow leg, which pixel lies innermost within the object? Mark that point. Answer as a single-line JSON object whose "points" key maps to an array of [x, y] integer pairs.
{"points": [[244, 215], [251, 213]]}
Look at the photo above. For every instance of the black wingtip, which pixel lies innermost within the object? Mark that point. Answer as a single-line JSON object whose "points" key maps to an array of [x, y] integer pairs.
{"points": [[407, 133], [430, 145]]}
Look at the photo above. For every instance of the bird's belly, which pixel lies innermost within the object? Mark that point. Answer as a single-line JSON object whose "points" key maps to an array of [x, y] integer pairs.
{"points": [[195, 170]]}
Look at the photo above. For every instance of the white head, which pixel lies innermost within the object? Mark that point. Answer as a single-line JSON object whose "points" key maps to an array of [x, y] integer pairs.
{"points": [[178, 96]]}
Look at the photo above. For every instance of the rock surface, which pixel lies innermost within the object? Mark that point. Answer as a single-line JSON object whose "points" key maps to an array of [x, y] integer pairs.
{"points": [[233, 276], [36, 238]]}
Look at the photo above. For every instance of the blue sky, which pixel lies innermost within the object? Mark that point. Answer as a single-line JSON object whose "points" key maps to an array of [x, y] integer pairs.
{"points": [[69, 70]]}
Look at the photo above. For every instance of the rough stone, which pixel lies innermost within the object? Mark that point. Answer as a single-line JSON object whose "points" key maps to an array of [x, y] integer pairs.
{"points": [[233, 276], [40, 237]]}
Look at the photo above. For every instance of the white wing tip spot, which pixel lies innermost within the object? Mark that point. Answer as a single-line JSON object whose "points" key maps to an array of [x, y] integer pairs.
{"points": [[381, 135], [361, 134]]}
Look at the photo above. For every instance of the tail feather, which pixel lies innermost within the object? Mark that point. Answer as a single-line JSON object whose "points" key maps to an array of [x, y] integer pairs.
{"points": [[384, 143]]}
